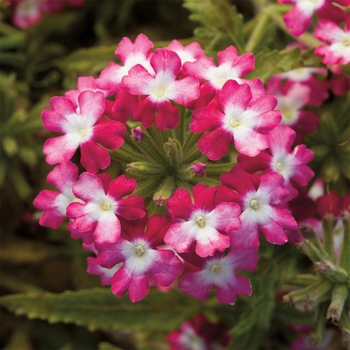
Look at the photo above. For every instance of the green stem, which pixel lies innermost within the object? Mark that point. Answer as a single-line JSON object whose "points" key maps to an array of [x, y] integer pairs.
{"points": [[257, 32]]}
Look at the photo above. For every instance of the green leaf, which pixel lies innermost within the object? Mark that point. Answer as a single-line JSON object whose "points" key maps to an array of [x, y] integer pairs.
{"points": [[269, 63], [107, 346], [98, 308], [217, 17], [90, 61]]}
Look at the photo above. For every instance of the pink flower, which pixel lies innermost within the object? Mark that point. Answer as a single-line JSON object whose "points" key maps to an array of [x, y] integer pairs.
{"points": [[199, 333], [26, 13], [339, 39], [105, 274], [202, 222], [231, 67], [54, 204], [300, 17], [262, 207], [234, 118], [329, 204], [219, 271], [103, 206], [305, 75], [292, 97], [279, 158], [130, 54], [143, 262], [189, 53], [85, 128], [160, 89]]}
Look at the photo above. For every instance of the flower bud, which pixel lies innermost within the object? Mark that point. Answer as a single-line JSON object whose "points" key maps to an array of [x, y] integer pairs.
{"points": [[198, 168], [137, 134]]}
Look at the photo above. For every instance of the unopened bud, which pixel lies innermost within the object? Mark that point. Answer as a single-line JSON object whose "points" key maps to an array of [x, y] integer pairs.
{"points": [[138, 134], [198, 168]]}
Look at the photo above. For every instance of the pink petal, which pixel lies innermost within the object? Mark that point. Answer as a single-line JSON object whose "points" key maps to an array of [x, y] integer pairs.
{"points": [[88, 188], [166, 269], [204, 197], [205, 119], [63, 175], [165, 60], [107, 229], [227, 216], [179, 237], [93, 157], [215, 144], [52, 120], [142, 45], [195, 285], [167, 116], [60, 149], [235, 97], [62, 105], [92, 103], [121, 187], [180, 204], [131, 208], [297, 21], [250, 142], [109, 134]]}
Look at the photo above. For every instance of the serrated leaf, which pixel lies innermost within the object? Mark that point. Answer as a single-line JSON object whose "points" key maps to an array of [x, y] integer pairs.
{"points": [[217, 16], [98, 308], [269, 63]]}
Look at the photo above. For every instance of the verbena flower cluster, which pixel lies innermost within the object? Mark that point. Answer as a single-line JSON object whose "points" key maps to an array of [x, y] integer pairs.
{"points": [[181, 211]]}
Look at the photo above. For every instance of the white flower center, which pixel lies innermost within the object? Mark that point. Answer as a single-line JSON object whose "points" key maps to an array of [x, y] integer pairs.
{"points": [[279, 166], [160, 92], [346, 42], [106, 205], [200, 221], [287, 114], [254, 204], [82, 132], [217, 268], [234, 122], [139, 250]]}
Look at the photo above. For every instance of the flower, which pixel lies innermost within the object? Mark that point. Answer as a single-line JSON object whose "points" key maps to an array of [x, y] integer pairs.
{"points": [[339, 39], [202, 221], [160, 89], [143, 262], [219, 271], [83, 126], [235, 117], [54, 204], [262, 202], [102, 207]]}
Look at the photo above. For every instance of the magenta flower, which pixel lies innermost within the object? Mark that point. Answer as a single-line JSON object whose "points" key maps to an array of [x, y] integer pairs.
{"points": [[219, 271], [231, 67], [202, 222], [103, 206], [292, 97], [189, 53], [160, 89], [280, 159], [130, 54], [261, 204], [300, 17], [234, 118], [105, 274], [306, 76], [143, 262], [338, 50], [199, 333], [83, 126], [54, 204]]}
